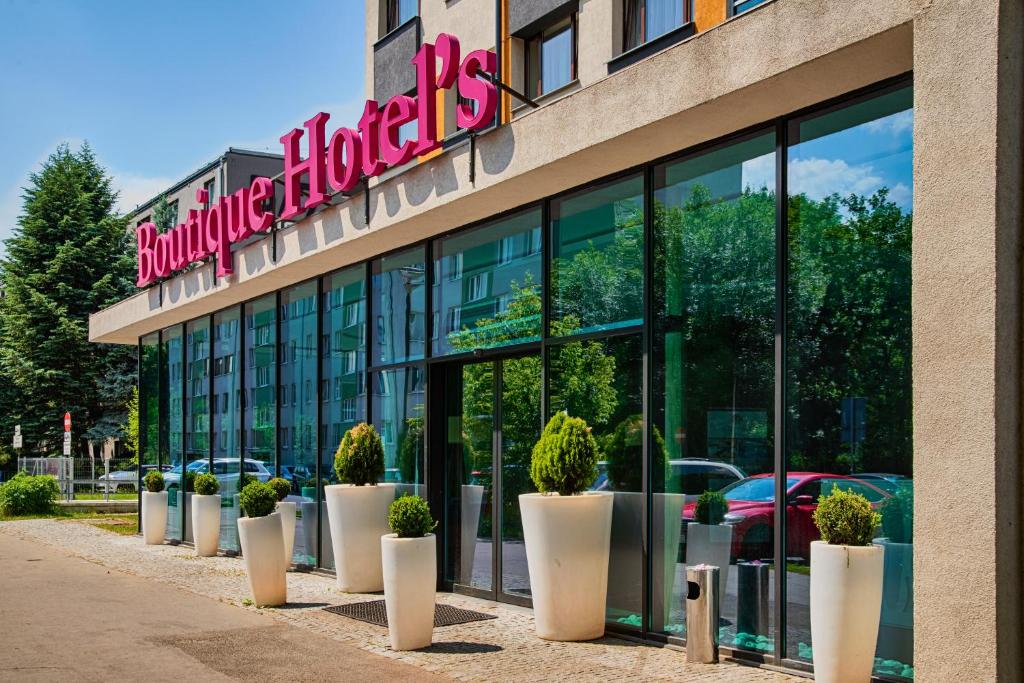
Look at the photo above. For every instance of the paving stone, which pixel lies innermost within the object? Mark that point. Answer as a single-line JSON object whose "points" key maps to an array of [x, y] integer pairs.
{"points": [[504, 649]]}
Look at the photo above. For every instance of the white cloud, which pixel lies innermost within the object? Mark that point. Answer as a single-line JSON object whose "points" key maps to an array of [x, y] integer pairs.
{"points": [[759, 173], [134, 189], [894, 124], [818, 178]]}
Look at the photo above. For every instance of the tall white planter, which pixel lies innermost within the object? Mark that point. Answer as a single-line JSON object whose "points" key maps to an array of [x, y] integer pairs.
{"points": [[567, 540], [471, 505], [308, 509], [154, 517], [188, 538], [846, 600], [358, 516], [410, 576], [262, 541], [287, 511], [206, 523], [710, 544]]}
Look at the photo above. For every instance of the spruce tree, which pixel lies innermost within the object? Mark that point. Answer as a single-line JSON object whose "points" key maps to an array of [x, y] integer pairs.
{"points": [[69, 256]]}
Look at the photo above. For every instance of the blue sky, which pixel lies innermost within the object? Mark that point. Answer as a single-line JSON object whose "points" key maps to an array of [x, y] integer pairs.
{"points": [[159, 89]]}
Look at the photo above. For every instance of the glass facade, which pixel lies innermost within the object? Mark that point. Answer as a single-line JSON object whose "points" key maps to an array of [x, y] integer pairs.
{"points": [[734, 320]]}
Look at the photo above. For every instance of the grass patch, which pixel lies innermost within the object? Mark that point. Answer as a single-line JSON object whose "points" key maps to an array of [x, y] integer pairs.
{"points": [[64, 514], [125, 525], [101, 496]]}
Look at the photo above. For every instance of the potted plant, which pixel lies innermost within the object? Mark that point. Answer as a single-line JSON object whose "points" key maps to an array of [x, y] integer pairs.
{"points": [[409, 558], [566, 533], [846, 588], [206, 514], [308, 515], [282, 487], [357, 510], [308, 488], [896, 629], [708, 539], [154, 508], [262, 539]]}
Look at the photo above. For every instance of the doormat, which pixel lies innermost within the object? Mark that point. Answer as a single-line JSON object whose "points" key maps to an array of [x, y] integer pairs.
{"points": [[374, 612]]}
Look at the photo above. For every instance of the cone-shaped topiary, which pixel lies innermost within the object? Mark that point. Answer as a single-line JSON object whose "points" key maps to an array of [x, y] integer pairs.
{"points": [[207, 485], [846, 518], [282, 487], [154, 481], [564, 461], [409, 517], [624, 450], [257, 499], [360, 457], [711, 508]]}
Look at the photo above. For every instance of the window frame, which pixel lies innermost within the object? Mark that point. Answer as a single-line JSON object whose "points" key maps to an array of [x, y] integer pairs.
{"points": [[556, 28]]}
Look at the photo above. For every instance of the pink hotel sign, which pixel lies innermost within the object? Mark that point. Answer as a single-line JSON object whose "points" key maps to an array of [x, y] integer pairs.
{"points": [[350, 155]]}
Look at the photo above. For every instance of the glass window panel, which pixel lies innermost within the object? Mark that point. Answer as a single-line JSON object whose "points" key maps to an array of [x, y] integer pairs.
{"points": [[398, 400], [343, 351], [260, 417], [662, 16], [298, 416], [601, 381], [149, 402], [713, 382], [848, 383], [556, 60], [488, 282], [597, 258], [197, 416], [399, 301], [172, 443], [227, 416]]}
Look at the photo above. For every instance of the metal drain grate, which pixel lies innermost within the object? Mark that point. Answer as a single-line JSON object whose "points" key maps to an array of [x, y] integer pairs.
{"points": [[374, 612]]}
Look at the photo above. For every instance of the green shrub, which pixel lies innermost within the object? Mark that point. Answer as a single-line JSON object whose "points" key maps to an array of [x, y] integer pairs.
{"points": [[711, 508], [564, 460], [26, 494], [409, 517], [154, 481], [190, 480], [898, 516], [245, 479], [257, 499], [282, 487], [624, 450], [410, 450], [846, 518], [360, 456], [207, 485]]}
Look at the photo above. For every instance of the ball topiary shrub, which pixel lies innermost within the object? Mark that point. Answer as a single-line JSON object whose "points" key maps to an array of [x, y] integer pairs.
{"points": [[257, 499], [898, 516], [846, 518], [360, 456], [245, 479], [282, 487], [711, 508], [409, 517], [207, 485], [624, 450], [190, 481], [26, 494], [154, 481], [564, 460]]}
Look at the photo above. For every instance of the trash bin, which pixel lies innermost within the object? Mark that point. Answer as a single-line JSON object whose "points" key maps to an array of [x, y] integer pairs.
{"points": [[752, 598], [702, 609]]}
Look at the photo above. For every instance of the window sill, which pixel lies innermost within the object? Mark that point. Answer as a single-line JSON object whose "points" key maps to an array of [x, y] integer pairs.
{"points": [[651, 47]]}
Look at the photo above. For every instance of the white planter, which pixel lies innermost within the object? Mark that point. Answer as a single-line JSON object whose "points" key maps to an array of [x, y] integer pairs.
{"points": [[567, 540], [262, 543], [358, 516], [846, 599], [410, 578], [308, 509], [410, 489], [188, 538], [326, 544], [471, 505], [154, 517], [206, 523], [896, 629], [710, 544], [287, 511]]}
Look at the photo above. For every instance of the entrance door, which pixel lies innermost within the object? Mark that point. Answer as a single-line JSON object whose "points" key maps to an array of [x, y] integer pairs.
{"points": [[492, 421]]}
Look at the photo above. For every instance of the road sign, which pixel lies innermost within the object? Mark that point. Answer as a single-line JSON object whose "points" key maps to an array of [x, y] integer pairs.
{"points": [[67, 422], [17, 440], [67, 447], [17, 430]]}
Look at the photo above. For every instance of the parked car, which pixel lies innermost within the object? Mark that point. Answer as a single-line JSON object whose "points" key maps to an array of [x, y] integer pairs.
{"points": [[689, 476], [126, 480], [751, 512], [225, 469]]}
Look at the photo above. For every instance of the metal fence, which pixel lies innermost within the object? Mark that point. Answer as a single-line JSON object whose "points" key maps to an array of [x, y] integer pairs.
{"points": [[86, 477]]}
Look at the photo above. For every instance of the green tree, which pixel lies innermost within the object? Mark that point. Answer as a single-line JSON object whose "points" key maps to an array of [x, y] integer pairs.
{"points": [[69, 256], [131, 427], [165, 214]]}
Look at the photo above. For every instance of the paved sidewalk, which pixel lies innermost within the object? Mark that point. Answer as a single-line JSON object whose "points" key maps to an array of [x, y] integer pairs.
{"points": [[503, 649]]}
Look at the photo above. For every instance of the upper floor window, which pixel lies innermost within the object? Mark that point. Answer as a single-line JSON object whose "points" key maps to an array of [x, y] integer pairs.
{"points": [[551, 58], [645, 20], [209, 186], [399, 11]]}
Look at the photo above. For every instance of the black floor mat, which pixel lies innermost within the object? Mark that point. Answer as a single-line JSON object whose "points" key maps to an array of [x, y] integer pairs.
{"points": [[373, 612]]}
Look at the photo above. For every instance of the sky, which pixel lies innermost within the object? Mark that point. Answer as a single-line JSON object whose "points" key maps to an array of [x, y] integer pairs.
{"points": [[160, 89]]}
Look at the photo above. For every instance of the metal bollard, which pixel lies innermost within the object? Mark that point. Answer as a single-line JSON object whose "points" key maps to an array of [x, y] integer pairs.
{"points": [[702, 610], [752, 598]]}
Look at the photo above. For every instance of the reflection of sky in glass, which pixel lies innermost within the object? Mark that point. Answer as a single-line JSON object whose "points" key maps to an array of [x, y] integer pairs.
{"points": [[663, 16], [556, 66]]}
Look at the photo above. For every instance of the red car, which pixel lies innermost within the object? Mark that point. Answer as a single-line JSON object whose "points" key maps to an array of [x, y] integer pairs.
{"points": [[752, 505]]}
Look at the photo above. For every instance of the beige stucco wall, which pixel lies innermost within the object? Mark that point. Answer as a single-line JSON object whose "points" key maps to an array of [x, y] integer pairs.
{"points": [[966, 59]]}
